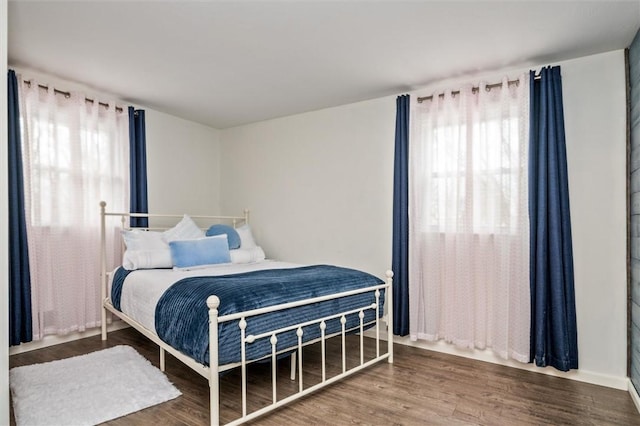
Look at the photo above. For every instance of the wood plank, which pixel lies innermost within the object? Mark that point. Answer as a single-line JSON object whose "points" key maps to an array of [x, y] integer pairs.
{"points": [[635, 314], [635, 203]]}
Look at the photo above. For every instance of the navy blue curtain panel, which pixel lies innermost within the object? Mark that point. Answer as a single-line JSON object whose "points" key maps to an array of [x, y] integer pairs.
{"points": [[400, 256], [20, 329], [138, 167], [554, 340]]}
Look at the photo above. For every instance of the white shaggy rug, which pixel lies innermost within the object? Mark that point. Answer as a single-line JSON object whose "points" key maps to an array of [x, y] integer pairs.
{"points": [[87, 389]]}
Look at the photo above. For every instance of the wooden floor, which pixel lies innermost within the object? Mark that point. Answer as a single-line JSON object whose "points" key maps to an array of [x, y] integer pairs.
{"points": [[421, 387]]}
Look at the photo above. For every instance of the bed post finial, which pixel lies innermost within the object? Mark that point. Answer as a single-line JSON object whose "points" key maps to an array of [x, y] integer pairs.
{"points": [[246, 216]]}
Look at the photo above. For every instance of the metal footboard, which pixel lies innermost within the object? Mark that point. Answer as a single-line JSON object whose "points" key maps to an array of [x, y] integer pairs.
{"points": [[244, 318]]}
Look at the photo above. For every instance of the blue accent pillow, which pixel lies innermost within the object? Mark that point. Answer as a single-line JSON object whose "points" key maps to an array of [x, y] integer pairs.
{"points": [[232, 234], [200, 252]]}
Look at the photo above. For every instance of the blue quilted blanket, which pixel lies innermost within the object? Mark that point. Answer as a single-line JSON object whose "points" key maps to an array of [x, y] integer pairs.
{"points": [[182, 313], [116, 286]]}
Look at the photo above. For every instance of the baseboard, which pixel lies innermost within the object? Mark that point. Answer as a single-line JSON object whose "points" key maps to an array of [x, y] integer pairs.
{"points": [[488, 356], [634, 395], [56, 340]]}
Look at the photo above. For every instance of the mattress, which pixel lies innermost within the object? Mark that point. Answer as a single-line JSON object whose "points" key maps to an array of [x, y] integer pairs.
{"points": [[172, 304], [144, 287]]}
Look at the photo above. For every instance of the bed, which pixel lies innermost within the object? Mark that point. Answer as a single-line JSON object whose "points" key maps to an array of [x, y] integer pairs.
{"points": [[217, 304]]}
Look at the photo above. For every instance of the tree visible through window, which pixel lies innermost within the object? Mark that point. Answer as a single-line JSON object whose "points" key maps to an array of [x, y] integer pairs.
{"points": [[55, 165], [484, 173]]}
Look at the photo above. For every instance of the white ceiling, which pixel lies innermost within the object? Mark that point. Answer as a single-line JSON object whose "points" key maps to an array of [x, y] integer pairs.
{"points": [[226, 63]]}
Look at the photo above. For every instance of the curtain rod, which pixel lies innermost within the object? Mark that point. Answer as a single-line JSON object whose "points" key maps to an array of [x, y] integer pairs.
{"points": [[473, 90], [68, 94]]}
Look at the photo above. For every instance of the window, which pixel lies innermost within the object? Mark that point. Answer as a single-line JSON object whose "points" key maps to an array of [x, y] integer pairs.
{"points": [[468, 219], [75, 154], [483, 172], [55, 165]]}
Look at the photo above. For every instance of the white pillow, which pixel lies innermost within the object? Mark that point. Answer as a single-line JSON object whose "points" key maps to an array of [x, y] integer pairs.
{"points": [[255, 254], [150, 249], [246, 237], [144, 240], [186, 229], [147, 259], [145, 250]]}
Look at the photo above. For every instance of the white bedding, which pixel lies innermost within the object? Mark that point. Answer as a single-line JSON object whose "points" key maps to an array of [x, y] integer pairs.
{"points": [[143, 288]]}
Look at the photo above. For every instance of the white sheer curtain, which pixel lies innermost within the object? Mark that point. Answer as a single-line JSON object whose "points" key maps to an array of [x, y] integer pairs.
{"points": [[75, 154], [468, 219]]}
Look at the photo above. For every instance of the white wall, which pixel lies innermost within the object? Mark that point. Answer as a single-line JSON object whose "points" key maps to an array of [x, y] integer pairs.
{"points": [[595, 120], [319, 186], [4, 220], [183, 165]]}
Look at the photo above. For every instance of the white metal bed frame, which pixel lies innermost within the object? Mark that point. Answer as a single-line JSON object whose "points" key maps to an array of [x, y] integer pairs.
{"points": [[212, 374]]}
